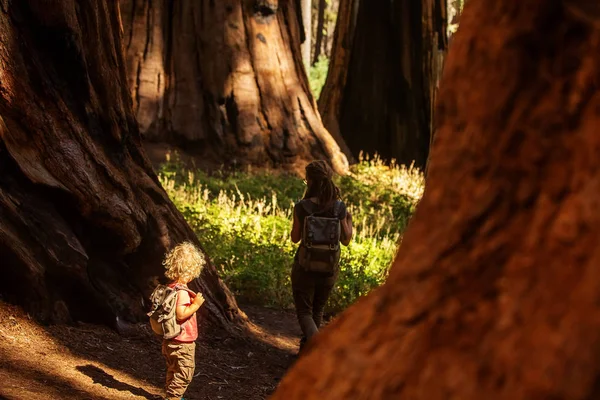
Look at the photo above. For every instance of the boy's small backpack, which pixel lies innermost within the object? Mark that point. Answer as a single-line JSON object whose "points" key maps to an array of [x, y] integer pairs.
{"points": [[163, 318], [320, 247]]}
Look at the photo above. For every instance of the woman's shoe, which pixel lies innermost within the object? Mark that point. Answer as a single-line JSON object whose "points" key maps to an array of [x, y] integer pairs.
{"points": [[302, 345], [302, 342]]}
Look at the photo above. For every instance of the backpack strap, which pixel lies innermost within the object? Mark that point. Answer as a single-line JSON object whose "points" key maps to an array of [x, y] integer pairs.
{"points": [[304, 205], [336, 208], [181, 287]]}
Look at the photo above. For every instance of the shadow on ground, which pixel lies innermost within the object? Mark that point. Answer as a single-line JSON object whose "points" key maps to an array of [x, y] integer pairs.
{"points": [[36, 381], [94, 362], [99, 376]]}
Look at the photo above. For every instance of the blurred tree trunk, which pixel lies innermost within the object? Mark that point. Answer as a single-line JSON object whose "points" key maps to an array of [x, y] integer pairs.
{"points": [[84, 222], [225, 80], [494, 292], [320, 28], [331, 13], [379, 92], [307, 25]]}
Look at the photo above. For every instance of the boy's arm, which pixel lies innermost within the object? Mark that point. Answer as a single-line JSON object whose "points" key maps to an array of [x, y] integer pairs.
{"points": [[184, 311]]}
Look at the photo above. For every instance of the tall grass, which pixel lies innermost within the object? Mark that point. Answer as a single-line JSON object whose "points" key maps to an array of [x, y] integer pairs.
{"points": [[243, 221]]}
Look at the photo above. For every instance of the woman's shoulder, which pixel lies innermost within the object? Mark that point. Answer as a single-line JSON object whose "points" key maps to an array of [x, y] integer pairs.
{"points": [[342, 209], [299, 203], [304, 206], [340, 204], [308, 200], [306, 203]]}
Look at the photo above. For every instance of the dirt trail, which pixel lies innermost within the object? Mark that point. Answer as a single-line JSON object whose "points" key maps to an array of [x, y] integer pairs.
{"points": [[94, 362]]}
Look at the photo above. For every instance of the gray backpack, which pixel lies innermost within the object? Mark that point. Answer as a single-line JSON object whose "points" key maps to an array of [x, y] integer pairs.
{"points": [[163, 319], [320, 247]]}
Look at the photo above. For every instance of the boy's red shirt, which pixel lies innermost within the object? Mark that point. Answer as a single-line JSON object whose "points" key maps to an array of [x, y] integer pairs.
{"points": [[189, 327]]}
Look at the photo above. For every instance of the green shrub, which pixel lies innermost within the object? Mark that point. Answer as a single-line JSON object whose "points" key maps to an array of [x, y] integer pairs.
{"points": [[243, 221], [317, 75]]}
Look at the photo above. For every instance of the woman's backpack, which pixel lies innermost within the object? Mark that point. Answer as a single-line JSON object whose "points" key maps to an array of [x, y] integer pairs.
{"points": [[163, 318], [320, 247]]}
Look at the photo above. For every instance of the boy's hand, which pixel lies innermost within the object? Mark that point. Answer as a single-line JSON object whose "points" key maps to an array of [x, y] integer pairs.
{"points": [[199, 299]]}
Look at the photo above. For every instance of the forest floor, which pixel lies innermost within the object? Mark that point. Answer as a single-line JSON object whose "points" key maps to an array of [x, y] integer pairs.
{"points": [[85, 361]]}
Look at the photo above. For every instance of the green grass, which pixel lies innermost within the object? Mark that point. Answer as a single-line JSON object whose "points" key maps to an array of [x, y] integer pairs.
{"points": [[243, 221]]}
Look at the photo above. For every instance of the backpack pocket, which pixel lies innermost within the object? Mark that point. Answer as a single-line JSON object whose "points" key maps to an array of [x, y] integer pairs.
{"points": [[163, 318], [319, 258], [320, 248]]}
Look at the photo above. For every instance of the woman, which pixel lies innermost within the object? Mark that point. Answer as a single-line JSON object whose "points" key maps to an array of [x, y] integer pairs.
{"points": [[312, 289]]}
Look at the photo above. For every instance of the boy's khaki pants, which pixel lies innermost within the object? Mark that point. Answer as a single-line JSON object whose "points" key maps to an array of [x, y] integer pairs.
{"points": [[181, 364]]}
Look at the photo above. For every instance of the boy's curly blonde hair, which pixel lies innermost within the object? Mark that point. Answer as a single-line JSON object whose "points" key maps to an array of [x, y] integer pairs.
{"points": [[184, 262]]}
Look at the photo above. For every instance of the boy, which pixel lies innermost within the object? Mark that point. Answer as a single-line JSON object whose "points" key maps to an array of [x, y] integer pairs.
{"points": [[183, 264]]}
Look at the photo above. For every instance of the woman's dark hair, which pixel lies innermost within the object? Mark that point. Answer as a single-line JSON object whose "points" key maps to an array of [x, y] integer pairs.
{"points": [[319, 177]]}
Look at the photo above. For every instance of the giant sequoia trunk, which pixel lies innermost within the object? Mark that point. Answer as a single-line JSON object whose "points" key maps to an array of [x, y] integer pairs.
{"points": [[333, 91], [84, 222], [381, 83], [225, 80], [494, 292]]}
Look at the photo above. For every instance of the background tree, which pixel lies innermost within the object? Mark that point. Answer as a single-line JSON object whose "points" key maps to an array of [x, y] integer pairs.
{"points": [[382, 77], [84, 222], [324, 20], [494, 292], [330, 23], [307, 29], [319, 30], [330, 99], [225, 80]]}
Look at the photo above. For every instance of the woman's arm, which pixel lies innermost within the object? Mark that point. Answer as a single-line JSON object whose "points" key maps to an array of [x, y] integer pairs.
{"points": [[346, 229], [184, 312], [296, 228]]}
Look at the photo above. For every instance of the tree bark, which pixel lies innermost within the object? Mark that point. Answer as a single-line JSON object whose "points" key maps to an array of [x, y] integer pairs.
{"points": [[382, 81], [84, 222], [319, 32], [225, 80], [494, 292]]}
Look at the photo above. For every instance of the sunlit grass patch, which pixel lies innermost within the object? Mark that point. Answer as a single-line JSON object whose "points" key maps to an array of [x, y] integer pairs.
{"points": [[243, 221]]}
